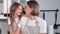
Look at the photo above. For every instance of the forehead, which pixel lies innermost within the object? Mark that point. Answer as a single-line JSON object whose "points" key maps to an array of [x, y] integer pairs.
{"points": [[20, 7]]}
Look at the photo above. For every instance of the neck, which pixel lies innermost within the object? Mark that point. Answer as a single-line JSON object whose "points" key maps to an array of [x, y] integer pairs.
{"points": [[32, 17], [16, 16], [27, 15]]}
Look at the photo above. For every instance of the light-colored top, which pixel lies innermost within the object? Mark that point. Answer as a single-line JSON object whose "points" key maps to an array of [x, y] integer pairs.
{"points": [[42, 24], [9, 22], [14, 25]]}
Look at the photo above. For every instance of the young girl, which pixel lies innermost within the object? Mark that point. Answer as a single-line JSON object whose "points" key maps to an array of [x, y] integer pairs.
{"points": [[15, 18], [31, 23]]}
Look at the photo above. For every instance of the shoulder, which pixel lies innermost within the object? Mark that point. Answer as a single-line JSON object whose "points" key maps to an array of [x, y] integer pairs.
{"points": [[23, 17], [23, 20], [41, 21]]}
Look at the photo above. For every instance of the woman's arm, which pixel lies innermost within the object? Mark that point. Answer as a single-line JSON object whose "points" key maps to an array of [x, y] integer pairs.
{"points": [[18, 31], [10, 29], [10, 26]]}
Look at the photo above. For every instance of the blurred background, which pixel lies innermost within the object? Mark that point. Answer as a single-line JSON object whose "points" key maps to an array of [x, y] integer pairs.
{"points": [[49, 11]]}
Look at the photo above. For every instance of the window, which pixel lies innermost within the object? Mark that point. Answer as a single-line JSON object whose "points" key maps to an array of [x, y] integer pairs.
{"points": [[14, 1], [23, 2]]}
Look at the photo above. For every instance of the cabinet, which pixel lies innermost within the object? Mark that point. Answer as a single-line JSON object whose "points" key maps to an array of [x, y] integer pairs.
{"points": [[5, 6]]}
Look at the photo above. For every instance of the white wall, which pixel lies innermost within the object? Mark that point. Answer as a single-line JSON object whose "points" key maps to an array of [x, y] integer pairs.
{"points": [[44, 5], [50, 5]]}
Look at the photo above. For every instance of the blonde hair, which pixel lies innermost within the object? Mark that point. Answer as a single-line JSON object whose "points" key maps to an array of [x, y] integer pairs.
{"points": [[13, 8], [35, 6]]}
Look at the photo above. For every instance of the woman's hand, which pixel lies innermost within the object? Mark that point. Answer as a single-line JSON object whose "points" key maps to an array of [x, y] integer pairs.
{"points": [[10, 29]]}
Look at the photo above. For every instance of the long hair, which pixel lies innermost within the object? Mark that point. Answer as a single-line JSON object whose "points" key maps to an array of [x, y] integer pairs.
{"points": [[13, 8]]}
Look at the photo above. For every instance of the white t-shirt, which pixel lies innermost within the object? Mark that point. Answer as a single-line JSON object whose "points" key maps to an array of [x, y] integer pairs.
{"points": [[42, 24], [15, 24]]}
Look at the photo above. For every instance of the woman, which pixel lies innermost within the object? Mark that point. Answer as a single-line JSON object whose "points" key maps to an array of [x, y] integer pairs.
{"points": [[31, 23], [15, 18]]}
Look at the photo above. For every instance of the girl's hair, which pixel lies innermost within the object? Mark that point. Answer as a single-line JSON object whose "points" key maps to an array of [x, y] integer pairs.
{"points": [[35, 6], [13, 8]]}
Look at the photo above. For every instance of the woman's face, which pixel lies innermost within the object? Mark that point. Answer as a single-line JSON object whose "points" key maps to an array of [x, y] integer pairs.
{"points": [[27, 9], [19, 10]]}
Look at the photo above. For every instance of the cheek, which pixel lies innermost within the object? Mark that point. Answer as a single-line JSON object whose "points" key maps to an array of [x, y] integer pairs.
{"points": [[18, 12], [27, 10]]}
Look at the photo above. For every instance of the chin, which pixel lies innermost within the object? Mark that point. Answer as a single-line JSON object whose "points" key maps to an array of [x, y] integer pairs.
{"points": [[18, 14]]}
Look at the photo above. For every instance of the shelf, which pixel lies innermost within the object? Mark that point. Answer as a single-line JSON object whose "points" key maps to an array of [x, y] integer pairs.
{"points": [[2, 17]]}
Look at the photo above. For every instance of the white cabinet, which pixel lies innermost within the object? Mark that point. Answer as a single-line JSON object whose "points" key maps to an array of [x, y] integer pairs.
{"points": [[23, 2], [5, 6]]}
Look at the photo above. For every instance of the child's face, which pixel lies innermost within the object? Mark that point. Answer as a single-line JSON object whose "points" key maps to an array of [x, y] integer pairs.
{"points": [[19, 10]]}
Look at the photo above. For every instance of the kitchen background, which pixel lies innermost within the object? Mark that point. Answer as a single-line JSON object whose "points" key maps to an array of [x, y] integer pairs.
{"points": [[50, 5]]}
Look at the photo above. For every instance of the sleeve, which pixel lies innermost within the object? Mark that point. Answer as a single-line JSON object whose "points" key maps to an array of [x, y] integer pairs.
{"points": [[19, 25], [43, 27], [9, 22]]}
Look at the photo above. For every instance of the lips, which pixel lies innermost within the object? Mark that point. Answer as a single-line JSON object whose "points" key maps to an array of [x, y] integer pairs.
{"points": [[19, 12]]}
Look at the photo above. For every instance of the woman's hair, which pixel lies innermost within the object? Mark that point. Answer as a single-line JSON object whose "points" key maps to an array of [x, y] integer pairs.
{"points": [[13, 8], [35, 6]]}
